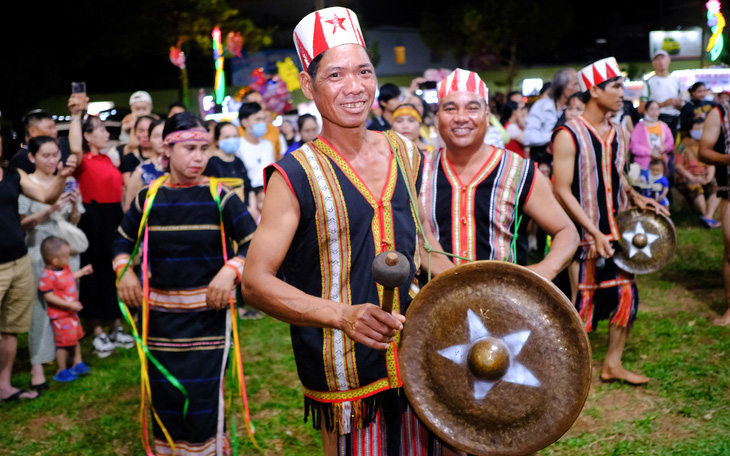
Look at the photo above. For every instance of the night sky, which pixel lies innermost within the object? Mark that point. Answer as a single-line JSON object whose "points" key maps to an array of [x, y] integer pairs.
{"points": [[116, 46]]}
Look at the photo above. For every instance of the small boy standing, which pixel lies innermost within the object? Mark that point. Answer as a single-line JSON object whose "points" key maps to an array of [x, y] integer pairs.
{"points": [[58, 285]]}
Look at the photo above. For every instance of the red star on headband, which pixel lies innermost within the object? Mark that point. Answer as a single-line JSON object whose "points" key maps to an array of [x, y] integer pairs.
{"points": [[336, 22]]}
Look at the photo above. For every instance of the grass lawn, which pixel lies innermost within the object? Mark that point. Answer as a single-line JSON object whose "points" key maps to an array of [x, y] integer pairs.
{"points": [[683, 411]]}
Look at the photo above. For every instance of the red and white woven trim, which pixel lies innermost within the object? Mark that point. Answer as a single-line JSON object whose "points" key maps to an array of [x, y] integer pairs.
{"points": [[187, 135]]}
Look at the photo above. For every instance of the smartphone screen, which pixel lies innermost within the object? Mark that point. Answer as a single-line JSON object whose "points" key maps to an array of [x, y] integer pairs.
{"points": [[78, 87]]}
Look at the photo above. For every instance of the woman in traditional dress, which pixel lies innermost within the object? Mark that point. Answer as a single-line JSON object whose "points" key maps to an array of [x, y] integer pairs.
{"points": [[190, 285]]}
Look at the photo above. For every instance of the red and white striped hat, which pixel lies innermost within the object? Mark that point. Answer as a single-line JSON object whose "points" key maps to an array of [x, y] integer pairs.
{"points": [[324, 29], [598, 72], [463, 81]]}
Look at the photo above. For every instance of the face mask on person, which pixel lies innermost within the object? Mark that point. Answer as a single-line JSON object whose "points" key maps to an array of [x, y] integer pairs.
{"points": [[710, 97], [229, 145], [695, 134], [258, 129], [649, 118]]}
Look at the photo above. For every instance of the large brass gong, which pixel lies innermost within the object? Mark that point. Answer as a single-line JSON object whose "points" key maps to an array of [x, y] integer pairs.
{"points": [[494, 359], [648, 241]]}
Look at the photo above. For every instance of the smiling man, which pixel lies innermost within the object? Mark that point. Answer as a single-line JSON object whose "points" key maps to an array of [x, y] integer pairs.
{"points": [[331, 207], [475, 194], [588, 166]]}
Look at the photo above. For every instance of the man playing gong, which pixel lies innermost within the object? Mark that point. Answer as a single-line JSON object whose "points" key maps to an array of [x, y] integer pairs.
{"points": [[588, 166], [330, 208], [475, 195]]}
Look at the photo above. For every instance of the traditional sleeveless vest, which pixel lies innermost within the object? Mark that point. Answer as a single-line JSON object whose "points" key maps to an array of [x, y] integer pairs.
{"points": [[597, 184], [343, 226], [481, 219]]}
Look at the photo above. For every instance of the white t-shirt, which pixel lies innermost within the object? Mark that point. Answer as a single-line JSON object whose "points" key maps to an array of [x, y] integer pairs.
{"points": [[661, 89], [256, 157], [513, 130], [494, 137]]}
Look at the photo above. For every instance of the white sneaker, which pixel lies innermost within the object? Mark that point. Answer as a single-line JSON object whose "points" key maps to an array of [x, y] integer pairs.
{"points": [[103, 347], [121, 339]]}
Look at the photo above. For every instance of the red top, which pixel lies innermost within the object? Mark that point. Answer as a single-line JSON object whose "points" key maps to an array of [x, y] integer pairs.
{"points": [[62, 284], [99, 180]]}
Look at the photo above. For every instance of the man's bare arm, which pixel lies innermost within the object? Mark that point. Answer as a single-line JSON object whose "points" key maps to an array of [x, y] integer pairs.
{"points": [[544, 209], [710, 135], [438, 262]]}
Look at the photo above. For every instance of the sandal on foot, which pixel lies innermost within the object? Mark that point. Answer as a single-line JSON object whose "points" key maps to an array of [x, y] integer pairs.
{"points": [[40, 388], [80, 369], [65, 376], [710, 223], [16, 396]]}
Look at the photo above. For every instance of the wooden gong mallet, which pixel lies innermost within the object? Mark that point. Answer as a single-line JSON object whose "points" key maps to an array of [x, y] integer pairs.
{"points": [[391, 270]]}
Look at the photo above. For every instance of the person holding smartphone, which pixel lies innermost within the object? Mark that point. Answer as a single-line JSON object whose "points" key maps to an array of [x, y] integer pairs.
{"points": [[40, 220], [101, 186], [16, 271]]}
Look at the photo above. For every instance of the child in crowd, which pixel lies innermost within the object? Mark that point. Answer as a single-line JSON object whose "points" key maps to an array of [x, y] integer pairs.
{"points": [[575, 107], [58, 285], [694, 179], [656, 184]]}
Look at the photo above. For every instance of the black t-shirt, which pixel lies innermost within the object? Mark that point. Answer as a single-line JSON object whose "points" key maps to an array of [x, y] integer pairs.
{"points": [[12, 240], [236, 169], [129, 162], [379, 124], [21, 161], [694, 109]]}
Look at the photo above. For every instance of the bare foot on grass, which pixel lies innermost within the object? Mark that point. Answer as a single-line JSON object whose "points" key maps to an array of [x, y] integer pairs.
{"points": [[724, 320], [611, 374]]}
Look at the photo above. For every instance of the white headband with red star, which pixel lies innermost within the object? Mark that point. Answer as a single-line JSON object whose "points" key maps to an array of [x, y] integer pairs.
{"points": [[463, 81], [598, 72], [324, 29]]}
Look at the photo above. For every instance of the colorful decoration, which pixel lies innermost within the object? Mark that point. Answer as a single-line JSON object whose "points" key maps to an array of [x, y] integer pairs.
{"points": [[716, 22], [234, 43], [289, 73], [220, 79], [277, 97], [177, 57], [259, 79]]}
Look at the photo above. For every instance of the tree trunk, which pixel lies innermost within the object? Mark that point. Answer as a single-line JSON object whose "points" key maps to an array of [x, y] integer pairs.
{"points": [[512, 65], [184, 79]]}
